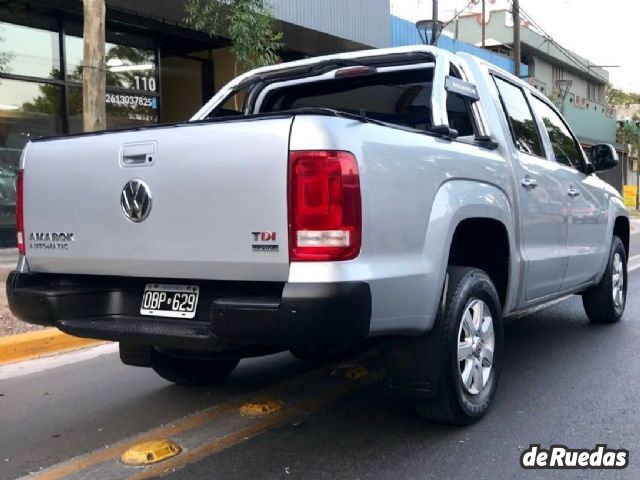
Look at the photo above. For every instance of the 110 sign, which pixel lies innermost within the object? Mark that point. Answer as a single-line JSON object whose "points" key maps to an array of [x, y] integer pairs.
{"points": [[145, 83]]}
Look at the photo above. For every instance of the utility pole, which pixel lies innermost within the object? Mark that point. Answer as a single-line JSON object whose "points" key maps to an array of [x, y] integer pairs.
{"points": [[436, 29], [483, 22], [94, 78], [457, 25], [516, 37]]}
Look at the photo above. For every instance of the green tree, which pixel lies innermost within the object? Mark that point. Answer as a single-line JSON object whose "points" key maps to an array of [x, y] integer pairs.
{"points": [[629, 134], [248, 23], [617, 97], [5, 57], [556, 99]]}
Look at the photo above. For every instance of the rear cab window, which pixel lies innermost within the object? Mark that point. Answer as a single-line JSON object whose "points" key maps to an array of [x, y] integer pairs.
{"points": [[524, 130], [399, 98]]}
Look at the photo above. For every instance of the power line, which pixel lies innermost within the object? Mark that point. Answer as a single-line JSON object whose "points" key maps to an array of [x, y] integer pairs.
{"points": [[570, 55]]}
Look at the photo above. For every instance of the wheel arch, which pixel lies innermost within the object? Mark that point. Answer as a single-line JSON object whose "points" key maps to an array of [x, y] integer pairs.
{"points": [[461, 206], [622, 229], [490, 251], [617, 224]]}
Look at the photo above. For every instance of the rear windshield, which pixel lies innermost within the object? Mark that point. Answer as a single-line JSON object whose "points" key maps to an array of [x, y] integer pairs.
{"points": [[400, 98]]}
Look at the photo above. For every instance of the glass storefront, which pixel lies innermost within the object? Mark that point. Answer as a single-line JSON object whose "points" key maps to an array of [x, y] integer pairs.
{"points": [[132, 85], [32, 52], [41, 92], [27, 110]]}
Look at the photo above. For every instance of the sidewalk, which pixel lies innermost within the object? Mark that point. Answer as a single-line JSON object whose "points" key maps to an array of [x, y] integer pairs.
{"points": [[8, 258]]}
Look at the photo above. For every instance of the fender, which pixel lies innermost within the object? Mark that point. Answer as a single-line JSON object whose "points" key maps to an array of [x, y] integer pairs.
{"points": [[455, 201], [615, 209]]}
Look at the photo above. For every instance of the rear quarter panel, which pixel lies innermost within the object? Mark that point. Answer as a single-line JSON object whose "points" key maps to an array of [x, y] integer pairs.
{"points": [[415, 189]]}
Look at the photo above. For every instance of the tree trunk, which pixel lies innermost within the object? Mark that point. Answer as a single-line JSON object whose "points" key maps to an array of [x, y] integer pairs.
{"points": [[93, 67]]}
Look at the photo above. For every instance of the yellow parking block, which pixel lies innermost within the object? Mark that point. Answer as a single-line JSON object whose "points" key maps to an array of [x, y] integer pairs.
{"points": [[25, 346], [260, 409], [151, 451]]}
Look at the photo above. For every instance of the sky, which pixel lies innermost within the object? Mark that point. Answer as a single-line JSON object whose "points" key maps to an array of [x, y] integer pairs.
{"points": [[600, 31]]}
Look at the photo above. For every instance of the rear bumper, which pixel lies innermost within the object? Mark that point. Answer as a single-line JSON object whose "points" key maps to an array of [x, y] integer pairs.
{"points": [[229, 314]]}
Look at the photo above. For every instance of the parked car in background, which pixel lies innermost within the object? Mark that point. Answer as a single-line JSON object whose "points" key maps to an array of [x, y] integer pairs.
{"points": [[9, 161]]}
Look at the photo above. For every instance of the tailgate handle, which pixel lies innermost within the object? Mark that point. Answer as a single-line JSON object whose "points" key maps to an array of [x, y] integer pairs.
{"points": [[138, 154]]}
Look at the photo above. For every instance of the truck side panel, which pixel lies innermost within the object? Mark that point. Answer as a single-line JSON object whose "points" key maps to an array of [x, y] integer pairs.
{"points": [[401, 173]]}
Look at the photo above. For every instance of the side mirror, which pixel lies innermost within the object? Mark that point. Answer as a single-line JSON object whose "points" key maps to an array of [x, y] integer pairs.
{"points": [[603, 157]]}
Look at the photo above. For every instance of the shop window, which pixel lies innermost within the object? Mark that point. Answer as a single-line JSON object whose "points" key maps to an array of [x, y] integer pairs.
{"points": [[124, 109], [132, 85], [127, 67], [27, 110], [182, 75], [29, 51]]}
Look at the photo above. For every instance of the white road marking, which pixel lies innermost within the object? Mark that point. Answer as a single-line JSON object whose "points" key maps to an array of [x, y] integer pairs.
{"points": [[29, 367], [633, 263]]}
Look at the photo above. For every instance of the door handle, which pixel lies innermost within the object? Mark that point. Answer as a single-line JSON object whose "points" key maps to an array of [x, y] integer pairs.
{"points": [[573, 192], [529, 183], [137, 154]]}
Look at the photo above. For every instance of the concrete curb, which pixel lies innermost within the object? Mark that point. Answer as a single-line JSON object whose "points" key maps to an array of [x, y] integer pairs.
{"points": [[26, 346]]}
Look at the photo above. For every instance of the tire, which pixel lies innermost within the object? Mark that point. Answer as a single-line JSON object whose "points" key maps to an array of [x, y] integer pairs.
{"points": [[432, 360], [192, 372], [605, 302]]}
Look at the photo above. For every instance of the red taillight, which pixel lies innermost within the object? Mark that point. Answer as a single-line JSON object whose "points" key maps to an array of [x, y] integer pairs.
{"points": [[19, 211], [325, 222]]}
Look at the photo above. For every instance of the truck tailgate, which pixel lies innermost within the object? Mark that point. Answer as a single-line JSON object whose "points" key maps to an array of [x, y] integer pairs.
{"points": [[218, 202]]}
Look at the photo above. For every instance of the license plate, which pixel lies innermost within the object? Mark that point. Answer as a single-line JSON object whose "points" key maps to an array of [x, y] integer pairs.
{"points": [[175, 301]]}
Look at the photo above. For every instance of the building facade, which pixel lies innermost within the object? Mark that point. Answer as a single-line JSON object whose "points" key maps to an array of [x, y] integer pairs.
{"points": [[158, 69], [404, 32]]}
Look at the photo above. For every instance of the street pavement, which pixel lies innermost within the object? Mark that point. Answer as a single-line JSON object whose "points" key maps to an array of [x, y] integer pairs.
{"points": [[564, 381]]}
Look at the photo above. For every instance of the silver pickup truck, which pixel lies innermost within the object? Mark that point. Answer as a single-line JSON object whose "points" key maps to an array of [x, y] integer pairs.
{"points": [[406, 194]]}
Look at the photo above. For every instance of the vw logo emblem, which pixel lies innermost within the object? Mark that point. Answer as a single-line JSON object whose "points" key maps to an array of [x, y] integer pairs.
{"points": [[136, 200]]}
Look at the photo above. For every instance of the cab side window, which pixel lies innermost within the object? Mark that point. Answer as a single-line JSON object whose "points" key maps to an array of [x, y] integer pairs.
{"points": [[520, 118], [565, 147]]}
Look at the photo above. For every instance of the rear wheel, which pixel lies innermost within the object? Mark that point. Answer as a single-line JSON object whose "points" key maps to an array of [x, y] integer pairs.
{"points": [[192, 371], [605, 302], [455, 368]]}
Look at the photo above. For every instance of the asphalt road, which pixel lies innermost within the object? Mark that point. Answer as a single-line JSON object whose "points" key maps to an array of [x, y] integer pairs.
{"points": [[564, 382]]}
